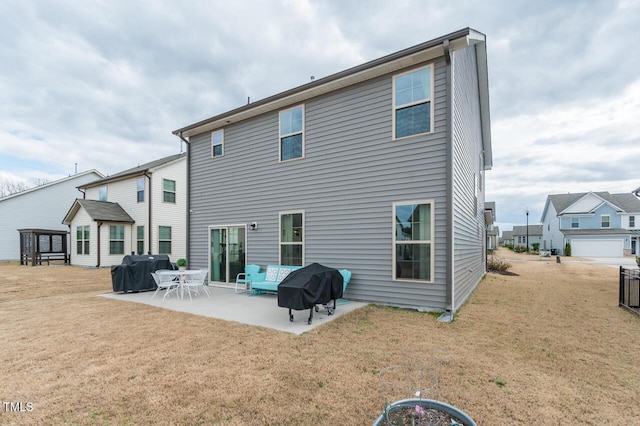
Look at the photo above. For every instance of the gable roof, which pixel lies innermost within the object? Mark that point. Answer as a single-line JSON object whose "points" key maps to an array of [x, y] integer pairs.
{"points": [[136, 171], [50, 184], [629, 203], [534, 230], [420, 53], [99, 211], [507, 235], [625, 202]]}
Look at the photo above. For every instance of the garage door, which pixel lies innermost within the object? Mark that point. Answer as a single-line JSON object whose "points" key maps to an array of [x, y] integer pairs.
{"points": [[596, 248]]}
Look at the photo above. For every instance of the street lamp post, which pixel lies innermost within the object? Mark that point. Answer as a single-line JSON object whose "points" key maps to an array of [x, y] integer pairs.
{"points": [[527, 241]]}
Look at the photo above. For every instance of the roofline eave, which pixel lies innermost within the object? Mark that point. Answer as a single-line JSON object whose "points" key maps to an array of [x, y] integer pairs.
{"points": [[387, 64]]}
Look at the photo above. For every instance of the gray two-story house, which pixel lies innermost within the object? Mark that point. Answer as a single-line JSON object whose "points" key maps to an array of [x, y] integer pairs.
{"points": [[378, 169]]}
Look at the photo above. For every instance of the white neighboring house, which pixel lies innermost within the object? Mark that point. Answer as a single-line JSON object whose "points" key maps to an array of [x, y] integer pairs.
{"points": [[41, 207], [140, 210]]}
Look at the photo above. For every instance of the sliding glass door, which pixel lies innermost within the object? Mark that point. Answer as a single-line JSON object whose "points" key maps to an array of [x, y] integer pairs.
{"points": [[227, 254]]}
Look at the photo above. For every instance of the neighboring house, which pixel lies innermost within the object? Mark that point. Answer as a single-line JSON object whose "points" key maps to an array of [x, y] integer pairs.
{"points": [[378, 169], [493, 231], [596, 224], [493, 238], [140, 210], [40, 207], [507, 238], [532, 232]]}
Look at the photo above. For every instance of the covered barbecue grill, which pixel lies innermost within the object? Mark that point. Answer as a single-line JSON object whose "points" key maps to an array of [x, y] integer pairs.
{"points": [[134, 274], [307, 287]]}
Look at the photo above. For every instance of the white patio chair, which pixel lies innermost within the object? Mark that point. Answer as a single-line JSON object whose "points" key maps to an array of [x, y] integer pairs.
{"points": [[166, 282], [194, 282]]}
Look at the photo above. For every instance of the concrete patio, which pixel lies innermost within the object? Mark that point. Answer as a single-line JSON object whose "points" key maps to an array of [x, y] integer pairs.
{"points": [[257, 310]]}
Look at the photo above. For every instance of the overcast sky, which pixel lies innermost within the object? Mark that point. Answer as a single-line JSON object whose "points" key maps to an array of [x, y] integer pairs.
{"points": [[104, 83]]}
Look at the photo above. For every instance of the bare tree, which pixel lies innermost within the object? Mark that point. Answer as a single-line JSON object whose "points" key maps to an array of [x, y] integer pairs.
{"points": [[10, 186]]}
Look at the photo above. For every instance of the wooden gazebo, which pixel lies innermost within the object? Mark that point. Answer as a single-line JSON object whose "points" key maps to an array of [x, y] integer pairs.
{"points": [[43, 245]]}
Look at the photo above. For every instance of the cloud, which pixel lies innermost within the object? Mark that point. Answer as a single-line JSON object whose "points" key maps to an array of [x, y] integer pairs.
{"points": [[573, 146], [105, 83]]}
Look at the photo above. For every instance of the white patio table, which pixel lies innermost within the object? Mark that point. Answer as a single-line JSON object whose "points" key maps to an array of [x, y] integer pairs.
{"points": [[182, 277]]}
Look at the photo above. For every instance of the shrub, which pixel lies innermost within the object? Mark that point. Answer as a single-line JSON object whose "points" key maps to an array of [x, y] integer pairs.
{"points": [[535, 246], [519, 249], [638, 261], [567, 249], [181, 263], [509, 246], [497, 265]]}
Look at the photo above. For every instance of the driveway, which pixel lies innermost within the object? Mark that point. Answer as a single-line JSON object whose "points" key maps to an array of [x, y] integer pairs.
{"points": [[626, 262]]}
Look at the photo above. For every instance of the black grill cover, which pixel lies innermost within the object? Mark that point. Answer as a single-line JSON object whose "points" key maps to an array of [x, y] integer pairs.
{"points": [[309, 286], [134, 274]]}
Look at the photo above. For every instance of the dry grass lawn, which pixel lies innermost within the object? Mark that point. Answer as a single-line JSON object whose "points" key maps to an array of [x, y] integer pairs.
{"points": [[549, 346]]}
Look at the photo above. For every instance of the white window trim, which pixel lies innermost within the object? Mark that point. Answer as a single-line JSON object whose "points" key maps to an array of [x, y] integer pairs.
{"points": [[143, 190], [124, 239], [304, 231], [221, 143], [138, 239], [571, 223], [280, 135], [106, 193], [174, 192], [430, 100], [432, 241], [634, 221], [602, 216], [83, 240], [161, 240]]}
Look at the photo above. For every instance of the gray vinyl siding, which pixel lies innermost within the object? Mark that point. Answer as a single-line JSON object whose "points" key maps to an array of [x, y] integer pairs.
{"points": [[469, 228], [351, 175]]}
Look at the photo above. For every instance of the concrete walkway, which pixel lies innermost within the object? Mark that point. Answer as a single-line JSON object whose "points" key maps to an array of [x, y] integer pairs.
{"points": [[261, 310]]}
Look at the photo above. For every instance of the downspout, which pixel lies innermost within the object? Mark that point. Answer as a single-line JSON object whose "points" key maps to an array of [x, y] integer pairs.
{"points": [[99, 225], [188, 197], [69, 245], [84, 194], [450, 271], [148, 176]]}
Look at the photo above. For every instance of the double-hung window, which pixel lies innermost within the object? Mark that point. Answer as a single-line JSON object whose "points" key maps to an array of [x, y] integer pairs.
{"points": [[140, 189], [413, 103], [217, 143], [116, 239], [292, 133], [575, 222], [413, 241], [632, 221], [169, 191], [140, 239], [605, 221], [82, 240], [102, 193], [292, 238], [164, 239]]}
